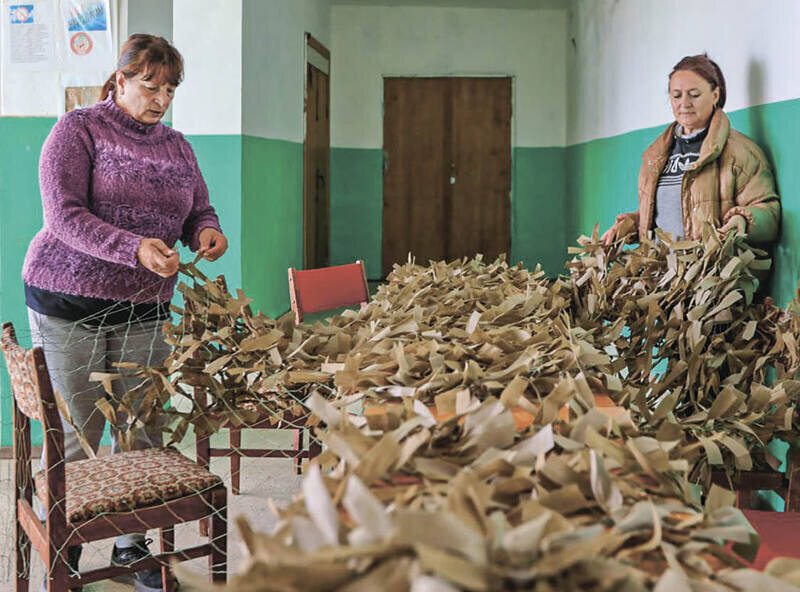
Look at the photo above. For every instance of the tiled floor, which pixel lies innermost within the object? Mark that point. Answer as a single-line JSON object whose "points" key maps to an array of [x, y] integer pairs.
{"points": [[262, 480]]}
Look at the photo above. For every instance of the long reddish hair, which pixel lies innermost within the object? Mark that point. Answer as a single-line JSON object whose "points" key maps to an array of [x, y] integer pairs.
{"points": [[148, 54]]}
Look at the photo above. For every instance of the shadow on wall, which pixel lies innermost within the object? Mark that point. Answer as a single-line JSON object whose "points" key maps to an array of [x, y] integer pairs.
{"points": [[755, 95], [756, 79]]}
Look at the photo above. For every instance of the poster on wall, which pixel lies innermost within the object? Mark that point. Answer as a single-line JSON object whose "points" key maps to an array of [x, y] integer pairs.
{"points": [[28, 35], [88, 45], [76, 97]]}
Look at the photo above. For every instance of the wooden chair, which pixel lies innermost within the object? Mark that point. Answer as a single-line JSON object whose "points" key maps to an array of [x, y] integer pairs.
{"points": [[160, 488], [315, 290], [746, 483], [778, 532], [312, 290]]}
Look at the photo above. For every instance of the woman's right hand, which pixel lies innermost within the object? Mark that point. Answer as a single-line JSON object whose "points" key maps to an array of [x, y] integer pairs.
{"points": [[623, 226], [156, 256]]}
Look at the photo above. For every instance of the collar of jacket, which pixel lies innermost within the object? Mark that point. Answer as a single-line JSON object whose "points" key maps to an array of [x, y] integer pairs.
{"points": [[712, 146]]}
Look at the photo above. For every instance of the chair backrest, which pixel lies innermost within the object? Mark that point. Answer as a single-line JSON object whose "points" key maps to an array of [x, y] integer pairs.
{"points": [[33, 391], [23, 373], [315, 290], [34, 399]]}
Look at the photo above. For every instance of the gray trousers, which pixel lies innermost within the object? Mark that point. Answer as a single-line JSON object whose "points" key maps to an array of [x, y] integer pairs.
{"points": [[73, 351]]}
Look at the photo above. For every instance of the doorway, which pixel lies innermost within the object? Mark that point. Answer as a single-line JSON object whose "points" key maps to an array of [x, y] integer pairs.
{"points": [[316, 155], [447, 168]]}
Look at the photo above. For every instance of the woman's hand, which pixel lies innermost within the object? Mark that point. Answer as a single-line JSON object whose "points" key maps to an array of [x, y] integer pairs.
{"points": [[212, 244], [621, 228], [158, 257], [737, 223]]}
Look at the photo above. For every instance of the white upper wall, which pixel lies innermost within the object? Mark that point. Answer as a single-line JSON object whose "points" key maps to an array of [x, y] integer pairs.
{"points": [[370, 42], [624, 50], [208, 33], [274, 63], [153, 17]]}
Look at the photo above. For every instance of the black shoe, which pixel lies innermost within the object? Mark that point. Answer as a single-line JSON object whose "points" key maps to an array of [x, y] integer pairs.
{"points": [[73, 558], [148, 580]]}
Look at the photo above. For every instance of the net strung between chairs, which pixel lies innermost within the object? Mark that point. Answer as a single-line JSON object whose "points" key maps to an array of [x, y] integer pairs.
{"points": [[572, 501], [669, 331]]}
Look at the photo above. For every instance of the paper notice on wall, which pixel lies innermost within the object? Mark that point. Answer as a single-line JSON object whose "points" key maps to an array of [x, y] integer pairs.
{"points": [[76, 97], [87, 25], [28, 35]]}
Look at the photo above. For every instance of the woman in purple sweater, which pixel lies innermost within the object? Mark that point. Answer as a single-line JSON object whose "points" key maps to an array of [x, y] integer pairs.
{"points": [[119, 188]]}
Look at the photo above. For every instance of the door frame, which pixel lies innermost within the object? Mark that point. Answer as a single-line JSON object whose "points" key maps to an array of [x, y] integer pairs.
{"points": [[315, 54], [512, 139]]}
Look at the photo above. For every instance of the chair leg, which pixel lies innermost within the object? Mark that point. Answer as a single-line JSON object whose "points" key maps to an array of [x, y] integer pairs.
{"points": [[792, 497], [217, 561], [236, 444], [297, 447], [58, 572], [314, 446], [167, 546], [203, 449], [23, 558], [745, 499]]}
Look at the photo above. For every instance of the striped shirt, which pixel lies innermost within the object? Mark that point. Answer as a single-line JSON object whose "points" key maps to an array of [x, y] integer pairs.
{"points": [[685, 152]]}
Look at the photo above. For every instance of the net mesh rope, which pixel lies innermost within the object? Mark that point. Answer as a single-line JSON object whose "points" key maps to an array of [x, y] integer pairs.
{"points": [[145, 379], [434, 332]]}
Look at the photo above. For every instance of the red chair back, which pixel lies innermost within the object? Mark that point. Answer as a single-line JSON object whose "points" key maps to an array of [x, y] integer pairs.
{"points": [[315, 290], [778, 533]]}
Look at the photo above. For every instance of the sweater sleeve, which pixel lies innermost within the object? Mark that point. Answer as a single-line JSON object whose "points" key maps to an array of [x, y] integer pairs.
{"points": [[202, 214], [65, 171]]}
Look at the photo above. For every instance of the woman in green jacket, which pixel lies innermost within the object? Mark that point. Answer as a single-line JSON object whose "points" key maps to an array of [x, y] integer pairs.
{"points": [[700, 169]]}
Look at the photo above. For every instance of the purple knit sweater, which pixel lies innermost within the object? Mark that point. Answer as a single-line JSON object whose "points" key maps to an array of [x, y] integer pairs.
{"points": [[108, 181]]}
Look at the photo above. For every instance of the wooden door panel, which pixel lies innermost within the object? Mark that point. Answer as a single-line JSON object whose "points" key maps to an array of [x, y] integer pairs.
{"points": [[316, 166], [416, 139], [447, 168], [481, 209], [309, 171], [323, 169]]}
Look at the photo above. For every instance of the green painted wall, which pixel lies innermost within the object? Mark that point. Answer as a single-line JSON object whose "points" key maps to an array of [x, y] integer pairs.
{"points": [[776, 128], [21, 140], [538, 207], [602, 179], [272, 220], [356, 207], [220, 159]]}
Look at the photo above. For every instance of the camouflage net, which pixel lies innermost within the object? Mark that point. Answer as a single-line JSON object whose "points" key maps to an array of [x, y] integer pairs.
{"points": [[481, 458]]}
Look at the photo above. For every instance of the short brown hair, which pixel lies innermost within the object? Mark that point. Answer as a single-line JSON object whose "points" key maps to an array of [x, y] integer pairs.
{"points": [[154, 56], [706, 68]]}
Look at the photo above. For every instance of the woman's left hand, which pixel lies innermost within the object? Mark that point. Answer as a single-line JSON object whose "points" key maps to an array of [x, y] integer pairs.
{"points": [[736, 223], [212, 244]]}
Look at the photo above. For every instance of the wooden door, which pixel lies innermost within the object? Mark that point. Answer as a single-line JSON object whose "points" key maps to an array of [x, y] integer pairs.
{"points": [[447, 168], [316, 168], [416, 144], [480, 211]]}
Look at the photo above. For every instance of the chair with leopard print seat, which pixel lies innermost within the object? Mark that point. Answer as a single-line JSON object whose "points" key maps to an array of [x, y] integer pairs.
{"points": [[99, 498]]}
